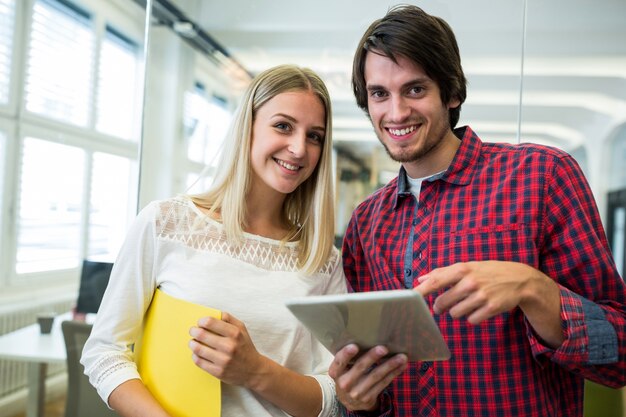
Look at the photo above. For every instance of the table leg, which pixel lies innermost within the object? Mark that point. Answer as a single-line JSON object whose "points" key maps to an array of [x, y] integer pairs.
{"points": [[36, 389]]}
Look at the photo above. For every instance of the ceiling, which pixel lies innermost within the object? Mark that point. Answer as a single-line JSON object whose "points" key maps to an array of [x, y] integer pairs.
{"points": [[574, 65]]}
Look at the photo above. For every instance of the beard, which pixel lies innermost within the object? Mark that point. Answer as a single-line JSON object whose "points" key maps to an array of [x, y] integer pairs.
{"points": [[421, 148], [410, 155]]}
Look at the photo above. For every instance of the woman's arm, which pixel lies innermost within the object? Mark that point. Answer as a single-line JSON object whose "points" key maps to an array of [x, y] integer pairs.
{"points": [[132, 399], [224, 349], [107, 356]]}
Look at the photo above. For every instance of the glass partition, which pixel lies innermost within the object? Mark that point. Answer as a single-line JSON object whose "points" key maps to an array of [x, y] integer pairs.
{"points": [[533, 76], [574, 90], [264, 33]]}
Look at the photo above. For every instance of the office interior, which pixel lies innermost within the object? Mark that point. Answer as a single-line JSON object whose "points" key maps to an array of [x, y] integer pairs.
{"points": [[106, 105]]}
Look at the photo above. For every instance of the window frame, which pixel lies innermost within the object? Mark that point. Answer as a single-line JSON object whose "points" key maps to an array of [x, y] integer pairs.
{"points": [[18, 50], [18, 123]]}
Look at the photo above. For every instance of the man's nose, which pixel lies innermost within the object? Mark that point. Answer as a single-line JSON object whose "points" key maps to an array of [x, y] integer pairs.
{"points": [[400, 109]]}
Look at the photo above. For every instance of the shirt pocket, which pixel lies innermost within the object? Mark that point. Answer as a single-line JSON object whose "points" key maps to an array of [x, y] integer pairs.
{"points": [[504, 242]]}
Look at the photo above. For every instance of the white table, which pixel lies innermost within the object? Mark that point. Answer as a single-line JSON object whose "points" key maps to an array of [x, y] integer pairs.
{"points": [[29, 345]]}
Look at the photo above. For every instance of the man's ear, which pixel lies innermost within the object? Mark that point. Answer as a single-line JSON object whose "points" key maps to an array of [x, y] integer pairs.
{"points": [[454, 103]]}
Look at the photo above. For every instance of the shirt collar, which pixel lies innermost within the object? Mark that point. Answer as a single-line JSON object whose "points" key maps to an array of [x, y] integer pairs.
{"points": [[461, 168]]}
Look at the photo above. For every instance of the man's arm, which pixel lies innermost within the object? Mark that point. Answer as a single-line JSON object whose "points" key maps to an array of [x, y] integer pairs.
{"points": [[481, 290], [575, 307]]}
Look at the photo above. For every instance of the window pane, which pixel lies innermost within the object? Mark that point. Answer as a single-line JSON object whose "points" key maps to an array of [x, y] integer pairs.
{"points": [[112, 195], [118, 85], [3, 151], [60, 61], [617, 179], [206, 123], [617, 245], [199, 183], [7, 19], [50, 203]]}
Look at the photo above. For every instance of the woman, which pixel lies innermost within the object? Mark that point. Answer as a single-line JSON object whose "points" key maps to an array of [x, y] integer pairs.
{"points": [[262, 234]]}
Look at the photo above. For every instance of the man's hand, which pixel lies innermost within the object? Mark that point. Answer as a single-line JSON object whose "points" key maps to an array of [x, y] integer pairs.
{"points": [[358, 385], [481, 290]]}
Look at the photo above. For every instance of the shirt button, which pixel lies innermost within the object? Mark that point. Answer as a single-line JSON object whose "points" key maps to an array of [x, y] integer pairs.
{"points": [[407, 272], [414, 222]]}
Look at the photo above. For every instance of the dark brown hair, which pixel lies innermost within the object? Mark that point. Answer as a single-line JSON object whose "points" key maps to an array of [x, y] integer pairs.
{"points": [[426, 40]]}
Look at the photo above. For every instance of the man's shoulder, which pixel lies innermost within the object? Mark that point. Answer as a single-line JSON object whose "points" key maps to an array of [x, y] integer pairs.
{"points": [[524, 148], [523, 153]]}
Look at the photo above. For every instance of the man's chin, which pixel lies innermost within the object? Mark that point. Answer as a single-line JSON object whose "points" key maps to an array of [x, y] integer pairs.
{"points": [[401, 157]]}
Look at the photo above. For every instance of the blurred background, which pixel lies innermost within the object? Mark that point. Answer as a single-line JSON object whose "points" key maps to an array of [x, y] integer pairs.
{"points": [[106, 105]]}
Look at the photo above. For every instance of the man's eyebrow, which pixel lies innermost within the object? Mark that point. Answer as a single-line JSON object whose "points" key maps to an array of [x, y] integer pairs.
{"points": [[371, 87], [418, 80]]}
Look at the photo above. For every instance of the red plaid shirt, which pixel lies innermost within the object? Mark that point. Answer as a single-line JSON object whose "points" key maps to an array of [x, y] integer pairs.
{"points": [[523, 203]]}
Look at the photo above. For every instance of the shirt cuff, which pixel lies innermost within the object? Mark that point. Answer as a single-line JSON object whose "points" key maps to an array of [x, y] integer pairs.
{"points": [[329, 399], [602, 344], [590, 339]]}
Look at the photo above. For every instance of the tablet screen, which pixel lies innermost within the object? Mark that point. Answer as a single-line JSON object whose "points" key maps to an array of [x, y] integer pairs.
{"points": [[398, 319]]}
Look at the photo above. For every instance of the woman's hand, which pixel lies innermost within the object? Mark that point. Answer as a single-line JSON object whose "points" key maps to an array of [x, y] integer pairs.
{"points": [[224, 349]]}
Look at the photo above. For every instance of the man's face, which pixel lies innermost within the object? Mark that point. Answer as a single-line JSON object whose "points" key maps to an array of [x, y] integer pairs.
{"points": [[406, 111]]}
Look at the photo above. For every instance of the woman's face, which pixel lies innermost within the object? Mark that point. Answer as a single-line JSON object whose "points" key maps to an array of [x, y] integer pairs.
{"points": [[287, 140]]}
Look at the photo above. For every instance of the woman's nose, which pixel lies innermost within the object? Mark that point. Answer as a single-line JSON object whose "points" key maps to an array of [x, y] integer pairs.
{"points": [[297, 145]]}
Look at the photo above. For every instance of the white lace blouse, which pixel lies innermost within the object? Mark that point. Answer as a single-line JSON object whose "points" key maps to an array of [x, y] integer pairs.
{"points": [[174, 246]]}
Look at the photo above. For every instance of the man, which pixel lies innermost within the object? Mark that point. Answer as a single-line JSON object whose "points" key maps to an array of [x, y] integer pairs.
{"points": [[504, 242]]}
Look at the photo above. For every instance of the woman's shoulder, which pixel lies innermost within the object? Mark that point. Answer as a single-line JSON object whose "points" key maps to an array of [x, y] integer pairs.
{"points": [[178, 214]]}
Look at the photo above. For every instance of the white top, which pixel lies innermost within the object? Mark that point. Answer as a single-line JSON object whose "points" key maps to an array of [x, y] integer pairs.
{"points": [[174, 246]]}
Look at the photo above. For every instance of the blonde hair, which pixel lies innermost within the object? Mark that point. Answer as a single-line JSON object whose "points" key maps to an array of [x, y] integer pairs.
{"points": [[308, 210]]}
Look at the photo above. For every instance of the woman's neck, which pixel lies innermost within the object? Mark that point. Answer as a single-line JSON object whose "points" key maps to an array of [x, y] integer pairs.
{"points": [[264, 216]]}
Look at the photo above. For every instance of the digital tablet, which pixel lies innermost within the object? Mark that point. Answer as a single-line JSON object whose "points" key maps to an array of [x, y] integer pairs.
{"points": [[398, 319]]}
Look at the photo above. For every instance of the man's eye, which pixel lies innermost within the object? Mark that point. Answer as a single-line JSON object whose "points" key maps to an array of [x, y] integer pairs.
{"points": [[417, 90], [377, 93]]}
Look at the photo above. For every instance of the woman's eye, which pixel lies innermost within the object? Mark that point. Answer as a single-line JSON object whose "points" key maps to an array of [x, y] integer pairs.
{"points": [[282, 126], [316, 137]]}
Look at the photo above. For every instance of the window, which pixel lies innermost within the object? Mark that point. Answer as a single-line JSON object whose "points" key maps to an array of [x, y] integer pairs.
{"points": [[617, 168], [76, 190], [3, 157], [51, 235], [50, 206], [61, 33], [7, 18], [111, 196], [196, 183], [206, 122], [118, 100]]}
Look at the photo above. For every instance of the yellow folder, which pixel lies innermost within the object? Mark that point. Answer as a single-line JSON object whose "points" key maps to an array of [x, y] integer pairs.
{"points": [[164, 359]]}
